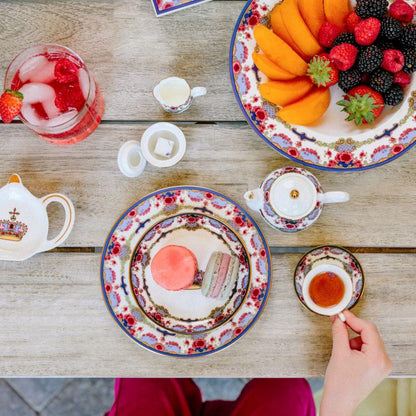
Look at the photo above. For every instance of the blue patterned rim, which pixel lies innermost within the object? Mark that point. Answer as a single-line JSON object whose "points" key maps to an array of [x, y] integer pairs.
{"points": [[266, 140], [203, 190]]}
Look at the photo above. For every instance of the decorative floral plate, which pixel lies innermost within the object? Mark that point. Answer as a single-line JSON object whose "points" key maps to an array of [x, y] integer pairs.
{"points": [[163, 7], [337, 256], [188, 310], [331, 143], [139, 222]]}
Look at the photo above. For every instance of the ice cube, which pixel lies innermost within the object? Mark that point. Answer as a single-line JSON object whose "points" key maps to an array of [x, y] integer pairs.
{"points": [[31, 66], [46, 74], [35, 92], [84, 82], [61, 119], [29, 113]]}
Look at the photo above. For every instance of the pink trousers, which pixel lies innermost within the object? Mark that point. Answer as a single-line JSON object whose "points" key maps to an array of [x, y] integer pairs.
{"points": [[182, 397]]}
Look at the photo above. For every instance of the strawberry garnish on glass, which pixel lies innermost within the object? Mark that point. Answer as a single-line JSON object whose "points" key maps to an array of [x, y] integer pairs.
{"points": [[363, 105], [10, 105]]}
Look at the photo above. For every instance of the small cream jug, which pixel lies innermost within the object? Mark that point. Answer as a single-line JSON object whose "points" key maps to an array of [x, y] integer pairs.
{"points": [[175, 95], [24, 221], [291, 199]]}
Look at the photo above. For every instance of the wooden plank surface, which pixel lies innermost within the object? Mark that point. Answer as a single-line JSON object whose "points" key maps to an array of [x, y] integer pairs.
{"points": [[228, 158], [54, 322], [129, 50]]}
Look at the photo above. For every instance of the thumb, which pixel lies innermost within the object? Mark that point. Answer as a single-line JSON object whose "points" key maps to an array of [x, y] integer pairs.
{"points": [[340, 336]]}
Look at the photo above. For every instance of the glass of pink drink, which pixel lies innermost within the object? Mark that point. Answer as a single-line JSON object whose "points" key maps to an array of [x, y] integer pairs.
{"points": [[61, 100]]}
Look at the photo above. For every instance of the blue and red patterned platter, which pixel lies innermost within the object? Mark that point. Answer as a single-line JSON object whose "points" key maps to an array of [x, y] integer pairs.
{"points": [[184, 323], [331, 143], [163, 7]]}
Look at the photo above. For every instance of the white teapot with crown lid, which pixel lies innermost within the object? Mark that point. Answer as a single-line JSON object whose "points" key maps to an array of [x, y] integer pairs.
{"points": [[24, 221], [291, 199]]}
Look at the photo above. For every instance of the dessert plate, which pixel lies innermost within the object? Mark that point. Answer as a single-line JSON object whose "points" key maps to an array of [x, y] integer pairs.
{"points": [[188, 310], [331, 143], [336, 256], [137, 234]]}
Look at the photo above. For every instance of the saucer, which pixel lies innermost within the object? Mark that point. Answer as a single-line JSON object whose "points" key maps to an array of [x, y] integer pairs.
{"points": [[188, 310], [334, 255]]}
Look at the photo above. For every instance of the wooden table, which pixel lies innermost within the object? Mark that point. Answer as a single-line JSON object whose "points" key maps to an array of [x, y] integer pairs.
{"points": [[52, 316]]}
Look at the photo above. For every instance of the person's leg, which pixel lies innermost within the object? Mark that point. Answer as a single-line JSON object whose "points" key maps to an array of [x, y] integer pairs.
{"points": [[262, 397], [156, 397]]}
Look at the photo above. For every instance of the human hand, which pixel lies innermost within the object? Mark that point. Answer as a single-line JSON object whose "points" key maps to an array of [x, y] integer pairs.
{"points": [[356, 366]]}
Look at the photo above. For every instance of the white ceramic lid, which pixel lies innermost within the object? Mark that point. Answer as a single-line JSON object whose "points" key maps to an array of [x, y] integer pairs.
{"points": [[130, 159], [293, 196], [168, 131]]}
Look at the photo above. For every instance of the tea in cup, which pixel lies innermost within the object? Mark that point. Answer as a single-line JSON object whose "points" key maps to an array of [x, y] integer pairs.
{"points": [[327, 290]]}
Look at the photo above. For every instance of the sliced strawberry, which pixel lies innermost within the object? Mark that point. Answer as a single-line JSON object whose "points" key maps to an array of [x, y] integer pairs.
{"points": [[321, 71], [65, 70], [10, 105], [363, 105]]}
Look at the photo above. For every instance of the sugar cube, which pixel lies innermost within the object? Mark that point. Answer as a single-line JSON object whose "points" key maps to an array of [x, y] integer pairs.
{"points": [[164, 147]]}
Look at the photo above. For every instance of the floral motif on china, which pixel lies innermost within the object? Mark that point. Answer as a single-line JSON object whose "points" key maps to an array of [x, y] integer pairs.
{"points": [[141, 259], [342, 257], [115, 264], [374, 146]]}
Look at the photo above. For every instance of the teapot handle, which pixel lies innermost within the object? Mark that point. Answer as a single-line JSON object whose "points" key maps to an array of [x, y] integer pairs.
{"points": [[335, 197], [68, 224]]}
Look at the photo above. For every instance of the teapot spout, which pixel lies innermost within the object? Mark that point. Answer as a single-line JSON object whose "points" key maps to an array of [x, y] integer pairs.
{"points": [[15, 178], [254, 199]]}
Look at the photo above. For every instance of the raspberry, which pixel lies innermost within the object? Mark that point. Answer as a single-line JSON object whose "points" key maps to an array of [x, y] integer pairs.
{"points": [[343, 56], [367, 30], [402, 78], [60, 101], [381, 80], [349, 79], [65, 70], [394, 95], [393, 60], [328, 33], [69, 96], [371, 8], [401, 11], [408, 37], [390, 28], [352, 20], [369, 59]]}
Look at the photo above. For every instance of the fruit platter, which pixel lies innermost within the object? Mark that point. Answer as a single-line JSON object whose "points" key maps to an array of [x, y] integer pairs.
{"points": [[328, 83]]}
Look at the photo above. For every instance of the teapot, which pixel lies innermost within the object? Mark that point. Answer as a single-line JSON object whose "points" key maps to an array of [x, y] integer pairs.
{"points": [[291, 199], [24, 221]]}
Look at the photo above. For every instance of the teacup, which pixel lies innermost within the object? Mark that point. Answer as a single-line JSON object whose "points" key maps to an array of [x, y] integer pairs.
{"points": [[291, 199], [175, 95], [340, 277]]}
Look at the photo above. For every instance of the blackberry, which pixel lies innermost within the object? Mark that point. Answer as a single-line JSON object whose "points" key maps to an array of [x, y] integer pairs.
{"points": [[371, 8], [345, 38], [369, 59], [409, 60], [349, 79], [394, 95], [408, 37], [381, 80], [390, 28], [384, 44]]}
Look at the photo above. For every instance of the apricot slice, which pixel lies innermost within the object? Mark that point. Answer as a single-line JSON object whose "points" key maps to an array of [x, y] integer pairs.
{"points": [[285, 92], [270, 69], [313, 14], [308, 109], [280, 29], [279, 51], [336, 11], [298, 29]]}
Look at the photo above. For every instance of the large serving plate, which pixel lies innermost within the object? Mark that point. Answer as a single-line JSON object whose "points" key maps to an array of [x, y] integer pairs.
{"points": [[184, 323], [331, 143]]}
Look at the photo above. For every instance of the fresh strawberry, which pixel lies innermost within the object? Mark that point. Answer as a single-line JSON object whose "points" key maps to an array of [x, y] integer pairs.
{"points": [[363, 105], [321, 71], [352, 20], [367, 30], [393, 60], [65, 70], [401, 11], [328, 33], [10, 105], [402, 78], [343, 56]]}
